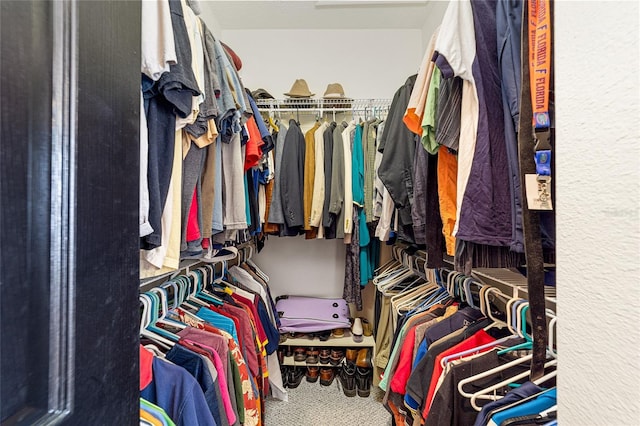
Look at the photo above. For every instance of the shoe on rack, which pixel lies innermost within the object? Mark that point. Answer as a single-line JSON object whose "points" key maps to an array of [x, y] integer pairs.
{"points": [[219, 255], [295, 377], [356, 330], [352, 355], [312, 374], [324, 356], [347, 377], [326, 376], [284, 371], [363, 381], [312, 355], [336, 357], [324, 335], [300, 354], [337, 332], [281, 356], [288, 351], [364, 358]]}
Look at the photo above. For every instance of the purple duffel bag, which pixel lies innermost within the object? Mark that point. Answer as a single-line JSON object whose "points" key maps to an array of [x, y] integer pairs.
{"points": [[300, 314]]}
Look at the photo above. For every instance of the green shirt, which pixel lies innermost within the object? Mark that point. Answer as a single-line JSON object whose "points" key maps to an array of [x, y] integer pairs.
{"points": [[429, 120]]}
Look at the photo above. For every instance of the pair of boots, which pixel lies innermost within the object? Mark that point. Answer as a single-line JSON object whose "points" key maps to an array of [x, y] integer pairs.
{"points": [[292, 376], [355, 379], [356, 373]]}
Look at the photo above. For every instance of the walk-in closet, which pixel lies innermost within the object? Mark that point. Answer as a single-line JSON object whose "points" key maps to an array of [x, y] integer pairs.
{"points": [[319, 213]]}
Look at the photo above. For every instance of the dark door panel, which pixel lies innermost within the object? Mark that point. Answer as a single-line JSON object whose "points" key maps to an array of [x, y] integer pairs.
{"points": [[70, 75]]}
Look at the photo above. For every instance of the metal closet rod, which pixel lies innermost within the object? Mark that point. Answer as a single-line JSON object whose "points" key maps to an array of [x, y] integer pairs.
{"points": [[323, 104], [315, 110]]}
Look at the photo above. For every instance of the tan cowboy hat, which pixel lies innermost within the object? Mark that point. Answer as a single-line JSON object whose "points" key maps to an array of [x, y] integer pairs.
{"points": [[300, 89], [334, 91]]}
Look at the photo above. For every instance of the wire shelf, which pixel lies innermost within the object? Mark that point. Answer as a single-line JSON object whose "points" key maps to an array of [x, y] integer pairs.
{"points": [[330, 105]]}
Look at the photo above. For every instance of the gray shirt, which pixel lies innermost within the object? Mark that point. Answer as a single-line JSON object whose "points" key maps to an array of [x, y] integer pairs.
{"points": [[276, 214], [337, 179]]}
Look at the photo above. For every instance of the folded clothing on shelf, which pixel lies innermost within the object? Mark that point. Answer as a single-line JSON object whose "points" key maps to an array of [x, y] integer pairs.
{"points": [[310, 314]]}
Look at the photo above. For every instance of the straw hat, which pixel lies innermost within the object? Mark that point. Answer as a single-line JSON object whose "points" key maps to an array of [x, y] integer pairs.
{"points": [[300, 89], [334, 91]]}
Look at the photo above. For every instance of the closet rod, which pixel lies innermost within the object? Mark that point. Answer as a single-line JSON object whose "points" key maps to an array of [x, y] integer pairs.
{"points": [[324, 104], [314, 110]]}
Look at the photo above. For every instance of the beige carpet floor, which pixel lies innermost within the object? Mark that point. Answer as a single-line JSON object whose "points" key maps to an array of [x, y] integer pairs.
{"points": [[313, 405]]}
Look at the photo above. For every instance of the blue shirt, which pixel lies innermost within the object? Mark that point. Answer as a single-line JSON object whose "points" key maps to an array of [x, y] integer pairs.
{"points": [[521, 392], [195, 365], [175, 391], [541, 403], [219, 321]]}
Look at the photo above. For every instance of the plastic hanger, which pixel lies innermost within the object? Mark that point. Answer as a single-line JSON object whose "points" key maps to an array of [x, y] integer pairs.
{"points": [[471, 351], [201, 293], [193, 294], [485, 306], [395, 282], [486, 393], [258, 271], [164, 309], [413, 297], [146, 324], [273, 124], [521, 329], [492, 372], [159, 310]]}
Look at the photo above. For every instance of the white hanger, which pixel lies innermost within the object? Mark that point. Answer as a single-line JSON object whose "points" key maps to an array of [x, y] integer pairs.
{"points": [[164, 308], [484, 393], [146, 321]]}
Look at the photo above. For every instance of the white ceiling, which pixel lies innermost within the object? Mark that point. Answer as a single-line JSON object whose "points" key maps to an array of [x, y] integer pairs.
{"points": [[363, 14]]}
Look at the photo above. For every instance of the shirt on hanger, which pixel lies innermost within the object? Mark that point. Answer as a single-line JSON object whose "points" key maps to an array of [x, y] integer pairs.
{"points": [[448, 406], [179, 394], [521, 392], [545, 401], [196, 366]]}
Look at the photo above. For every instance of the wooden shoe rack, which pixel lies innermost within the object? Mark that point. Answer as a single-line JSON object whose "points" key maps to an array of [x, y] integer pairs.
{"points": [[345, 342]]}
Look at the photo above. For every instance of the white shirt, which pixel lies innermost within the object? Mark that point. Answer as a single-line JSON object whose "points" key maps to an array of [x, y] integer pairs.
{"points": [[348, 181], [158, 48], [457, 44]]}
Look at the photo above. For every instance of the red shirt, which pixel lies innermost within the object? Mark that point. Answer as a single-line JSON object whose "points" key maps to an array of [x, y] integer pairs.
{"points": [[403, 370], [252, 148], [146, 373]]}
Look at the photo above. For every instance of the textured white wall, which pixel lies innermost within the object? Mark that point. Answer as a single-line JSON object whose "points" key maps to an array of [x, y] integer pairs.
{"points": [[598, 186], [368, 64]]}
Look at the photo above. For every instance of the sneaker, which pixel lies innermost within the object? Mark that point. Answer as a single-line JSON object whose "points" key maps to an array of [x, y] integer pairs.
{"points": [[226, 253]]}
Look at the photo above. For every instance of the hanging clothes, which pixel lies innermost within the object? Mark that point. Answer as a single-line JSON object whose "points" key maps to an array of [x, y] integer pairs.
{"points": [[396, 168]]}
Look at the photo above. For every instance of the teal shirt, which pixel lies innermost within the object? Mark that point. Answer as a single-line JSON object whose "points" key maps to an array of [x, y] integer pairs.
{"points": [[357, 168]]}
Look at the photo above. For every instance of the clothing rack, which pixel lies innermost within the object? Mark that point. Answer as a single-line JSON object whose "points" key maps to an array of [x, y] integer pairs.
{"points": [[245, 252], [323, 105], [508, 280]]}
